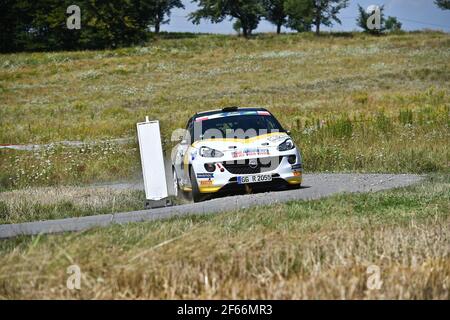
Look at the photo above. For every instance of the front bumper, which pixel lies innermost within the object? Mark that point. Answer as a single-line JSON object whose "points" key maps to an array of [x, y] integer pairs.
{"points": [[224, 178]]}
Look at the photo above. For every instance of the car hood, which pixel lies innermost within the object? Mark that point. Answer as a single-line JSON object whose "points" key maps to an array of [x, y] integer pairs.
{"points": [[259, 146]]}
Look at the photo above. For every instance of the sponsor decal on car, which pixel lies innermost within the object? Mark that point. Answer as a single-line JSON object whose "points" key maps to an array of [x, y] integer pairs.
{"points": [[206, 175], [250, 152], [193, 154], [276, 138], [206, 183]]}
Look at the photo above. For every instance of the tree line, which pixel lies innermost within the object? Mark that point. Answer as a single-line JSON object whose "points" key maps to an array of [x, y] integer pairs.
{"points": [[299, 15], [30, 25]]}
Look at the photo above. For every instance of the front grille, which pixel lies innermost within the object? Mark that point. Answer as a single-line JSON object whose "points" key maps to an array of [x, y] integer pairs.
{"points": [[243, 166]]}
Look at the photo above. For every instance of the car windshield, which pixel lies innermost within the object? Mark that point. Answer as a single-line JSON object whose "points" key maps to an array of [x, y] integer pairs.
{"points": [[239, 126]]}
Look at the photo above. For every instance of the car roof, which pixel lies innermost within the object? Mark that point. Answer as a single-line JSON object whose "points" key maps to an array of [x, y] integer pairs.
{"points": [[228, 109]]}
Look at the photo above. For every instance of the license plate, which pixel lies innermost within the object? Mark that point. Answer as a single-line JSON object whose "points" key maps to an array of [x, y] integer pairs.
{"points": [[254, 179]]}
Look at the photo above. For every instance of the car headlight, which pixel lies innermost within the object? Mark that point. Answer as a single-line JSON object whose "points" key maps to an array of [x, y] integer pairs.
{"points": [[288, 144], [210, 153]]}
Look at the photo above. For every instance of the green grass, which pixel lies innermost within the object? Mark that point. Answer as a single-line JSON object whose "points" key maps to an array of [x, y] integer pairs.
{"points": [[353, 102], [302, 249]]}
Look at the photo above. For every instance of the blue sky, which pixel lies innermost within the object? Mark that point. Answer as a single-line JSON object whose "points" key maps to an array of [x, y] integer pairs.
{"points": [[414, 15]]}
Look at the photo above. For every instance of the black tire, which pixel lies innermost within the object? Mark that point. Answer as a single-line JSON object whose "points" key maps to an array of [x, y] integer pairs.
{"points": [[176, 185], [186, 195], [294, 186], [196, 195]]}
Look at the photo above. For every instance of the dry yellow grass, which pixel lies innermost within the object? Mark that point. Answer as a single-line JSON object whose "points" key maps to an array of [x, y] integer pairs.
{"points": [[33, 204], [306, 250]]}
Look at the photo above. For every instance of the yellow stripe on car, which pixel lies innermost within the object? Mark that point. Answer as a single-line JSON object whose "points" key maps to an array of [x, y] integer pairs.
{"points": [[295, 180], [186, 162], [209, 189]]}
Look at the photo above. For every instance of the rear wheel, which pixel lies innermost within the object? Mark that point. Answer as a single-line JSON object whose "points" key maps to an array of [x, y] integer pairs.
{"points": [[196, 195]]}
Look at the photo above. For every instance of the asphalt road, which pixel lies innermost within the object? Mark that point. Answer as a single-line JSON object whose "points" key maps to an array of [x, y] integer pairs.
{"points": [[315, 186]]}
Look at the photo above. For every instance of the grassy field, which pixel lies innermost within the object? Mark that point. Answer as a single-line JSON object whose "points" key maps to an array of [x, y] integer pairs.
{"points": [[308, 250], [353, 102], [33, 204]]}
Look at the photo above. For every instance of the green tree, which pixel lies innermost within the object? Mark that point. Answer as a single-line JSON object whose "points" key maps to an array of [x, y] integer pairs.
{"points": [[364, 16], [41, 25], [161, 12], [275, 13], [443, 4], [15, 21], [237, 26], [392, 24], [48, 27], [248, 12], [299, 14], [325, 12], [36, 25], [315, 12], [114, 23]]}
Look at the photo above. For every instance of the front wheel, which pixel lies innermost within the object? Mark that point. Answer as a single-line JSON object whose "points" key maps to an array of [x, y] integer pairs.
{"points": [[177, 191], [196, 195], [175, 185], [294, 186]]}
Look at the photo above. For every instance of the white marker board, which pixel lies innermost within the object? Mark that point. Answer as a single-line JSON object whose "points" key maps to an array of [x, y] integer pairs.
{"points": [[152, 160]]}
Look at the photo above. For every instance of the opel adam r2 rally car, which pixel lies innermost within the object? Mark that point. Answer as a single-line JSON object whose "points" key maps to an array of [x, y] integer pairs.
{"points": [[232, 151]]}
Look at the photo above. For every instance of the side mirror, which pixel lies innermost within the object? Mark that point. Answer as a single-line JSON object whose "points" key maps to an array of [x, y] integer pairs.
{"points": [[288, 132]]}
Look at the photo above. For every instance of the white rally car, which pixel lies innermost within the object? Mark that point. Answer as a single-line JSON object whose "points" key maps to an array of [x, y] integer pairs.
{"points": [[234, 150]]}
